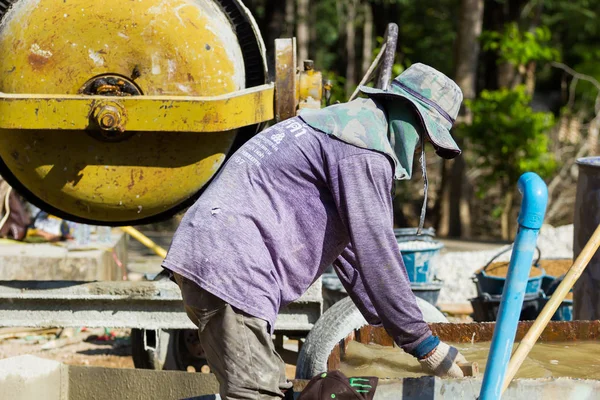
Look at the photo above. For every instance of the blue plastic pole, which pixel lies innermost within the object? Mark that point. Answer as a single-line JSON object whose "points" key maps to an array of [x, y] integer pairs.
{"points": [[531, 217]]}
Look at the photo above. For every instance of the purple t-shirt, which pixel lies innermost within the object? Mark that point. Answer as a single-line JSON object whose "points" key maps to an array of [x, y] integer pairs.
{"points": [[289, 203]]}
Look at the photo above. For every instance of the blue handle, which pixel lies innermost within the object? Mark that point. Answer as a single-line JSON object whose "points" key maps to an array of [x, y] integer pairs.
{"points": [[531, 217]]}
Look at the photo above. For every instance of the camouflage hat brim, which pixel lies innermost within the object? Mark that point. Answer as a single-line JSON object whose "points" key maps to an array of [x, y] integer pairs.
{"points": [[434, 124]]}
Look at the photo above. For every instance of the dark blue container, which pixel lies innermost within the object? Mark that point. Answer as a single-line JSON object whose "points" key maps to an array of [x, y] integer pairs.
{"points": [[564, 311], [494, 285], [417, 256], [430, 292], [485, 308]]}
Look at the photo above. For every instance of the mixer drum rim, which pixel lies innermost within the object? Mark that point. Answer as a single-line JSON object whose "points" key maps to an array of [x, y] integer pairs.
{"points": [[256, 73]]}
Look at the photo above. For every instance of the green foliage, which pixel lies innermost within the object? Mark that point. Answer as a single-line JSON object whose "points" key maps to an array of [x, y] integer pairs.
{"points": [[427, 31], [508, 138], [326, 26], [519, 48]]}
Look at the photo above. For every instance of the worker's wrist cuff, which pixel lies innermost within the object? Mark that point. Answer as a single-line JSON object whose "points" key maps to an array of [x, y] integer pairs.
{"points": [[426, 346]]}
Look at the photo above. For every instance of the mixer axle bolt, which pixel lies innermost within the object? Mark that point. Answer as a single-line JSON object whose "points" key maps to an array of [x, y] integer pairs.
{"points": [[109, 118]]}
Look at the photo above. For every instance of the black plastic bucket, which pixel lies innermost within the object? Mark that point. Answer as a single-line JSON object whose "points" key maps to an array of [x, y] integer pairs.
{"points": [[494, 285], [485, 308]]}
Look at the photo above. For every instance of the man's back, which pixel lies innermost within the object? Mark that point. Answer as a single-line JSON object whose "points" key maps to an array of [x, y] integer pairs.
{"points": [[268, 225]]}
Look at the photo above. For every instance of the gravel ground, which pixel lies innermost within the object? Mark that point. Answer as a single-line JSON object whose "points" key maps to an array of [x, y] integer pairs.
{"points": [[456, 269], [89, 347]]}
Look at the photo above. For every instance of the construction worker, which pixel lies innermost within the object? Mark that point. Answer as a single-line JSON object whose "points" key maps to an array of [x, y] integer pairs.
{"points": [[306, 193]]}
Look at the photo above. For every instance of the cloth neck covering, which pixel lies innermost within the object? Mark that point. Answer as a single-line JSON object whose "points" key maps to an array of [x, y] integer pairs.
{"points": [[391, 128]]}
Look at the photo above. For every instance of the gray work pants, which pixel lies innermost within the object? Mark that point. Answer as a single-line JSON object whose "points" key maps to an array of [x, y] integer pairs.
{"points": [[238, 347]]}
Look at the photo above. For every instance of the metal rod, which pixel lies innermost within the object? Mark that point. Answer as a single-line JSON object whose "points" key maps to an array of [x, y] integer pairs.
{"points": [[387, 65], [531, 217], [145, 240], [383, 63], [550, 308], [369, 72]]}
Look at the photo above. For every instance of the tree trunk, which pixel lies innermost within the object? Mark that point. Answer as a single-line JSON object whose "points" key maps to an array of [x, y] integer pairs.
{"points": [[456, 216], [302, 33], [367, 53], [506, 212], [507, 76], [455, 228], [276, 24], [467, 46], [290, 16], [592, 139], [350, 46], [530, 78], [443, 226]]}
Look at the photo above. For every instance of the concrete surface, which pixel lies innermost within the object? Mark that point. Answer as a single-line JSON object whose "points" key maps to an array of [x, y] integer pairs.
{"points": [[65, 261], [93, 383], [147, 305], [28, 377], [429, 388]]}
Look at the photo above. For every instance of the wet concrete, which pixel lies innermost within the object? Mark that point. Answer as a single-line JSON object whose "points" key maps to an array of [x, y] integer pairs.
{"points": [[554, 359]]}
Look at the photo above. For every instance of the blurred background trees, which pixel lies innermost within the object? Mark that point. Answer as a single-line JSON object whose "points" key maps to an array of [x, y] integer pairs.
{"points": [[529, 70]]}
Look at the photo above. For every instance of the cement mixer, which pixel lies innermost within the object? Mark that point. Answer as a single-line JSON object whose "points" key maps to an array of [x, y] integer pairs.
{"points": [[117, 113]]}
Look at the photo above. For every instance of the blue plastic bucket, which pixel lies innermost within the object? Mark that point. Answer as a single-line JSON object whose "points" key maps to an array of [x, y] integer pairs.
{"points": [[430, 292], [417, 256], [494, 285]]}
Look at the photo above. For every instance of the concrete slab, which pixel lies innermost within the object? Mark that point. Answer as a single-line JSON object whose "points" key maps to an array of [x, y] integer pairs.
{"points": [[44, 261], [143, 305], [431, 388], [28, 377], [92, 383]]}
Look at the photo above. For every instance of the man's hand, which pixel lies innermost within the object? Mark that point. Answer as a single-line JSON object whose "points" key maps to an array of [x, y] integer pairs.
{"points": [[443, 362]]}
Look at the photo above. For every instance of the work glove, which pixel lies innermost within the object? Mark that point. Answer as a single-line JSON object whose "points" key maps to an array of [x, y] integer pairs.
{"points": [[443, 362]]}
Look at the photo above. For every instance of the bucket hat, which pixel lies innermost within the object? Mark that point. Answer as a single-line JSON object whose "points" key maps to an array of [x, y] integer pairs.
{"points": [[435, 98], [335, 385]]}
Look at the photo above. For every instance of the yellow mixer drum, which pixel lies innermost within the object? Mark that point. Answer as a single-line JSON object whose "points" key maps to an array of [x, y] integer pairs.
{"points": [[151, 47]]}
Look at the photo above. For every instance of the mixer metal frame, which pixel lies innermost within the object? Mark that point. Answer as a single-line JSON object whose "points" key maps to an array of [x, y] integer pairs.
{"points": [[138, 113]]}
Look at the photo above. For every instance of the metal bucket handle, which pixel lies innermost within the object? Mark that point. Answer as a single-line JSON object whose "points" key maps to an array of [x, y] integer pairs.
{"points": [[537, 262], [411, 235]]}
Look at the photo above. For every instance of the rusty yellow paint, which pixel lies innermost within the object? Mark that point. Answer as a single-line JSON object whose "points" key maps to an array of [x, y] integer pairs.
{"points": [[310, 87], [168, 48], [142, 113], [286, 94]]}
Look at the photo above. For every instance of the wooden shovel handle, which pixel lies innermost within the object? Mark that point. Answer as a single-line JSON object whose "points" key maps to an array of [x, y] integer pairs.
{"points": [[550, 308]]}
